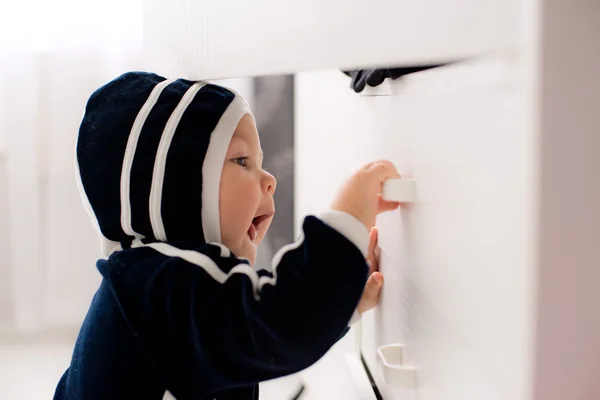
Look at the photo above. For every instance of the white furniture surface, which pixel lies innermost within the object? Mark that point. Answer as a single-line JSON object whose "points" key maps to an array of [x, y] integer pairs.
{"points": [[5, 302], [491, 274], [215, 38], [451, 257]]}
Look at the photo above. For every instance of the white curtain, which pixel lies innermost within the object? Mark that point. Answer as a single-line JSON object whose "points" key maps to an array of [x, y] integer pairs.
{"points": [[53, 54]]}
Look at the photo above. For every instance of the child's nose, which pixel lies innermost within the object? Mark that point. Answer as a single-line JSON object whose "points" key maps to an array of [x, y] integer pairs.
{"points": [[269, 183]]}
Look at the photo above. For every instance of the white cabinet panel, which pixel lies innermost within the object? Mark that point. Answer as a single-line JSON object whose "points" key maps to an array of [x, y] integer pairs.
{"points": [[5, 294], [468, 239], [458, 262], [215, 38]]}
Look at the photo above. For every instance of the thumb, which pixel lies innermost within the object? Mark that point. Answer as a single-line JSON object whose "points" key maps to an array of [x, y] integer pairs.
{"points": [[370, 296], [374, 285]]}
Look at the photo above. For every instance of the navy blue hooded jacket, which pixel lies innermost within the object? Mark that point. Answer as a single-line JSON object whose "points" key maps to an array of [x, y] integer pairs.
{"points": [[177, 313]]}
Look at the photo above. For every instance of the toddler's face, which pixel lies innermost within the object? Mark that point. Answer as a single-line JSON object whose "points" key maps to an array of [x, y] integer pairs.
{"points": [[246, 204]]}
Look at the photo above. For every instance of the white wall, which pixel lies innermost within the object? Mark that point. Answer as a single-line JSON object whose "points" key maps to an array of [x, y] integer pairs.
{"points": [[69, 245], [52, 246], [568, 90]]}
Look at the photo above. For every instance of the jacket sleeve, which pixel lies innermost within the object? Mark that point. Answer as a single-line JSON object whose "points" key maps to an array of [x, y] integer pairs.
{"points": [[226, 324]]}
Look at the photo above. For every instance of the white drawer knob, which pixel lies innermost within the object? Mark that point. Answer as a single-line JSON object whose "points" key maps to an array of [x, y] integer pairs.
{"points": [[402, 190], [395, 373]]}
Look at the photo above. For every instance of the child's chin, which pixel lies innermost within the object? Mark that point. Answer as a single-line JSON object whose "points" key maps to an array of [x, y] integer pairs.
{"points": [[249, 251]]}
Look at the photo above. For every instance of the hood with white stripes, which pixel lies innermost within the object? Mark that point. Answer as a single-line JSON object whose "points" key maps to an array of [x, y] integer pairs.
{"points": [[149, 157]]}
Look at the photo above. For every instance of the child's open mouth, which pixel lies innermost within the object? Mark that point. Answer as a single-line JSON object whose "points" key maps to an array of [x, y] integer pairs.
{"points": [[255, 225]]}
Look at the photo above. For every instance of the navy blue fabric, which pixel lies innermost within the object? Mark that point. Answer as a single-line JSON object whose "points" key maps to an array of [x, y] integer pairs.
{"points": [[199, 329], [143, 162], [160, 323], [103, 135], [182, 190]]}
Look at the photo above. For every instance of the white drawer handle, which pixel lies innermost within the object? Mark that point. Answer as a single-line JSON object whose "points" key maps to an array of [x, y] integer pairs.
{"points": [[402, 190], [395, 373]]}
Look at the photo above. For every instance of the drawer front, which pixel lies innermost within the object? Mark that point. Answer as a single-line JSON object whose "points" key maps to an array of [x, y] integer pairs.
{"points": [[458, 262]]}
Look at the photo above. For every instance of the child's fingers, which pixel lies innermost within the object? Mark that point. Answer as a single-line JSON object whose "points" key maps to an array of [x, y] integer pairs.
{"points": [[372, 252], [385, 205], [373, 240], [374, 285], [372, 291], [377, 278], [382, 170]]}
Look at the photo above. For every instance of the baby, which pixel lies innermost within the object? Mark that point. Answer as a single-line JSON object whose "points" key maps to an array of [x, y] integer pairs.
{"points": [[170, 172]]}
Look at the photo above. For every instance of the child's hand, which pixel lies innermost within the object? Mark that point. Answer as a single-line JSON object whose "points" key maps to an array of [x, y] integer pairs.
{"points": [[370, 296], [360, 196]]}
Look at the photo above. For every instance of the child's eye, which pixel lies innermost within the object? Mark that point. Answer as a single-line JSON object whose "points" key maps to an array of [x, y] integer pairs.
{"points": [[243, 161]]}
